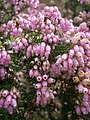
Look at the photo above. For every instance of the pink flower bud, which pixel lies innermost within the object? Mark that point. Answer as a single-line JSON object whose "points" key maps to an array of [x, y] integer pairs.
{"points": [[74, 41], [65, 65], [44, 83], [75, 63], [10, 109], [43, 45], [20, 30], [86, 97], [16, 48], [47, 54], [87, 74], [59, 60], [50, 40], [51, 95], [8, 59], [70, 70], [48, 22], [71, 53], [51, 80], [5, 33], [78, 111], [42, 48], [14, 43], [48, 49], [31, 73], [15, 93], [85, 103], [4, 54], [85, 90], [14, 102], [83, 110], [38, 100], [47, 94], [5, 93], [43, 90], [14, 96], [70, 61], [45, 101], [38, 93], [21, 45], [6, 104], [10, 23], [45, 77], [11, 93], [64, 56], [24, 41], [86, 69], [46, 27], [38, 85], [76, 48], [55, 40], [36, 73], [42, 26], [78, 54], [20, 20], [89, 91], [45, 38], [1, 102], [38, 50], [15, 30], [81, 49], [14, 90], [39, 78], [29, 49], [28, 54], [2, 61], [2, 73], [88, 109], [9, 99], [80, 88], [81, 62], [83, 26], [87, 46]]}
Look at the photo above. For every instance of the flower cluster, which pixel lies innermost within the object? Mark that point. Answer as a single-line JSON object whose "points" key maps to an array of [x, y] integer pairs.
{"points": [[83, 17], [5, 60], [8, 99], [44, 94], [40, 49], [83, 105], [48, 21], [61, 24], [39, 71], [19, 44], [39, 66], [87, 1], [77, 56], [18, 4], [15, 26]]}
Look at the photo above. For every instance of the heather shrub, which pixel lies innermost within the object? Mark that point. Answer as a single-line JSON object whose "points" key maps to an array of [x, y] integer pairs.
{"points": [[44, 61]]}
